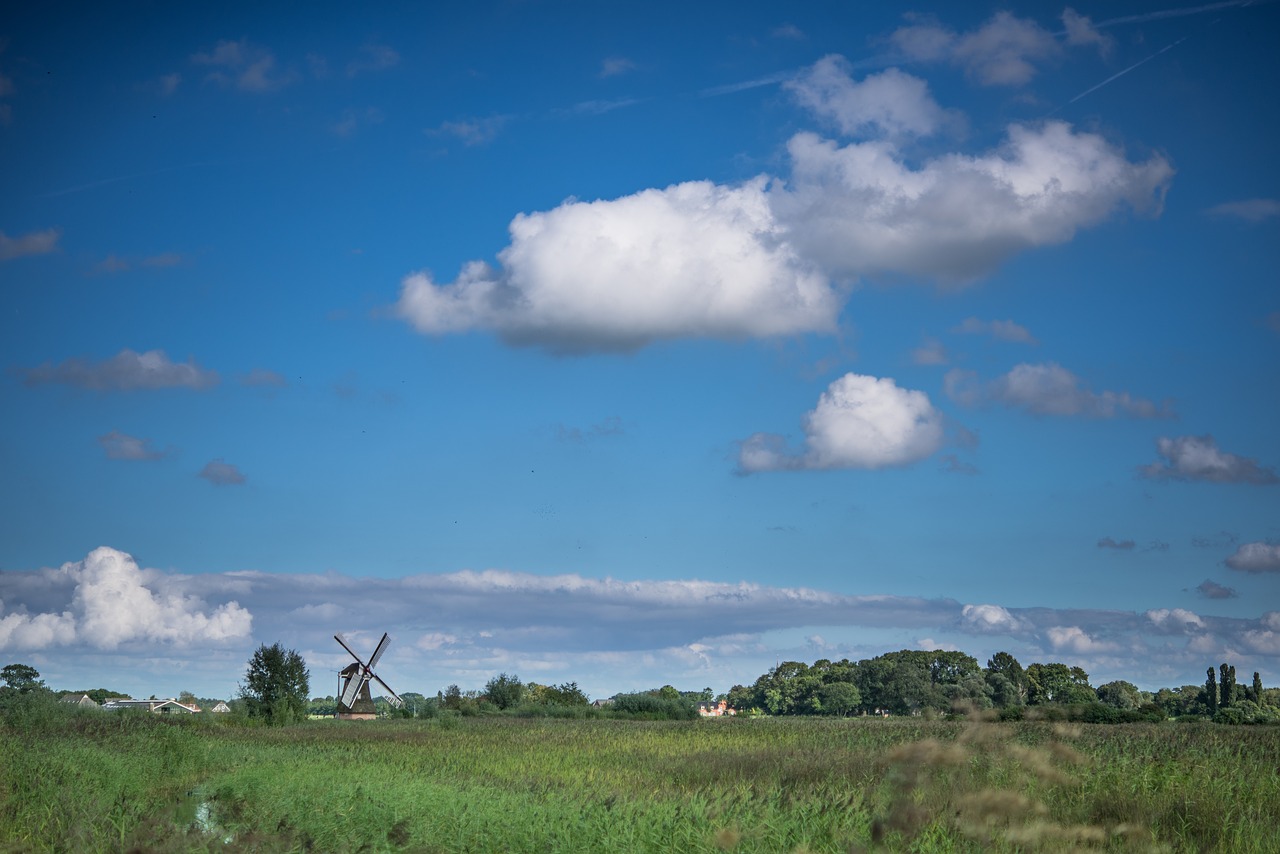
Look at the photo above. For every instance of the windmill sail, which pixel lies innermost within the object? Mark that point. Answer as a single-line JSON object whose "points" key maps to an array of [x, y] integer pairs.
{"points": [[355, 681]]}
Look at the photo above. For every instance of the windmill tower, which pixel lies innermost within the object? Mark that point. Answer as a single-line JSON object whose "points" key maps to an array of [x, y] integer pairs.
{"points": [[354, 700]]}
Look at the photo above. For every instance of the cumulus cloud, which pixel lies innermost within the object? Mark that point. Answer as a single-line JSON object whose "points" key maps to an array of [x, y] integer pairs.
{"points": [[1048, 389], [219, 472], [1002, 52], [1076, 640], [1250, 210], [990, 620], [245, 66], [31, 243], [126, 371], [114, 603], [1081, 31], [860, 422], [759, 259], [1211, 589], [1122, 545], [695, 259], [890, 103], [605, 633], [1256, 558], [121, 446], [860, 209], [1175, 620], [1198, 458], [1004, 330]]}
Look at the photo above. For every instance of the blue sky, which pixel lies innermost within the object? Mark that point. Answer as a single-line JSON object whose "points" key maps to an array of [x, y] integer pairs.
{"points": [[634, 345]]}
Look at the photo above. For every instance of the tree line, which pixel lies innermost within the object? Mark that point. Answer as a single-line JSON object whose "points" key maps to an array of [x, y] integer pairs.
{"points": [[907, 682], [914, 682]]}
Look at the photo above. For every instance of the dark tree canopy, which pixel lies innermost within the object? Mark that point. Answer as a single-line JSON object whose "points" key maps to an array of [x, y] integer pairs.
{"points": [[21, 677], [504, 691], [276, 685]]}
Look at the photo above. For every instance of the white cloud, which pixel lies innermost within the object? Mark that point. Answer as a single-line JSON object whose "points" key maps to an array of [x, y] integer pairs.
{"points": [[1250, 210], [219, 472], [990, 619], [246, 66], [1081, 31], [1003, 52], [1004, 330], [115, 602], [1076, 640], [695, 259], [1174, 619], [606, 634], [1198, 458], [699, 259], [861, 210], [121, 446], [1048, 389], [126, 371], [31, 243], [860, 422], [890, 103], [1122, 545], [1256, 558]]}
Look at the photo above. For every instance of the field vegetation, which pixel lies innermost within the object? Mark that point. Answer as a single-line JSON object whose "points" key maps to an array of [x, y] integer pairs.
{"points": [[88, 780]]}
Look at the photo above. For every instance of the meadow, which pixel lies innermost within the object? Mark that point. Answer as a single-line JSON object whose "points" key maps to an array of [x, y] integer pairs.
{"points": [[94, 781]]}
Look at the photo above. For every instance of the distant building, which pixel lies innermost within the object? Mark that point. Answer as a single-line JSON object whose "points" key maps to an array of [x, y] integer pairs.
{"points": [[78, 700], [712, 709], [220, 707], [160, 707]]}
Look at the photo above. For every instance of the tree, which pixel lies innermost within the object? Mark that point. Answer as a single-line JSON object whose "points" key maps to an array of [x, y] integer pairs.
{"points": [[1007, 679], [839, 698], [1119, 694], [21, 677], [276, 685], [504, 691], [1211, 692], [1257, 689]]}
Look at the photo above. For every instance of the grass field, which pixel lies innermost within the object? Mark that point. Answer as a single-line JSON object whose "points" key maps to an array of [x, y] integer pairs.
{"points": [[94, 781]]}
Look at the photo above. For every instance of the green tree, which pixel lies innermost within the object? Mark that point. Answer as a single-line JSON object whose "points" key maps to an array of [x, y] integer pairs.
{"points": [[1058, 683], [1007, 679], [1257, 689], [1211, 692], [1120, 695], [21, 677], [504, 691], [276, 685], [839, 698]]}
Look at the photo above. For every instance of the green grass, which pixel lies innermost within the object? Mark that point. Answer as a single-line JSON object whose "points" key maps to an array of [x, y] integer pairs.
{"points": [[99, 782]]}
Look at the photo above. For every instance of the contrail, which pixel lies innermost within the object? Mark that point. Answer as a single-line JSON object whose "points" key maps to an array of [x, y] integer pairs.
{"points": [[1125, 71], [1177, 13]]}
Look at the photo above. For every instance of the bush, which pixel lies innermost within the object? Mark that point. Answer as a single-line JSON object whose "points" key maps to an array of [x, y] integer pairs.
{"points": [[649, 707]]}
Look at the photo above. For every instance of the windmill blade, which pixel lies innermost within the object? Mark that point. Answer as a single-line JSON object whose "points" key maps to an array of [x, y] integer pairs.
{"points": [[339, 639], [377, 653], [394, 698], [354, 685]]}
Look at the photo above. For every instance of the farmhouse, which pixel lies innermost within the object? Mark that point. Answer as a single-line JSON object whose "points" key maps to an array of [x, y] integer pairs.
{"points": [[710, 709], [78, 700], [160, 707]]}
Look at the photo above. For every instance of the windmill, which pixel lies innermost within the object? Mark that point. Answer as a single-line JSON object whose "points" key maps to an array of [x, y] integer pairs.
{"points": [[354, 701]]}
